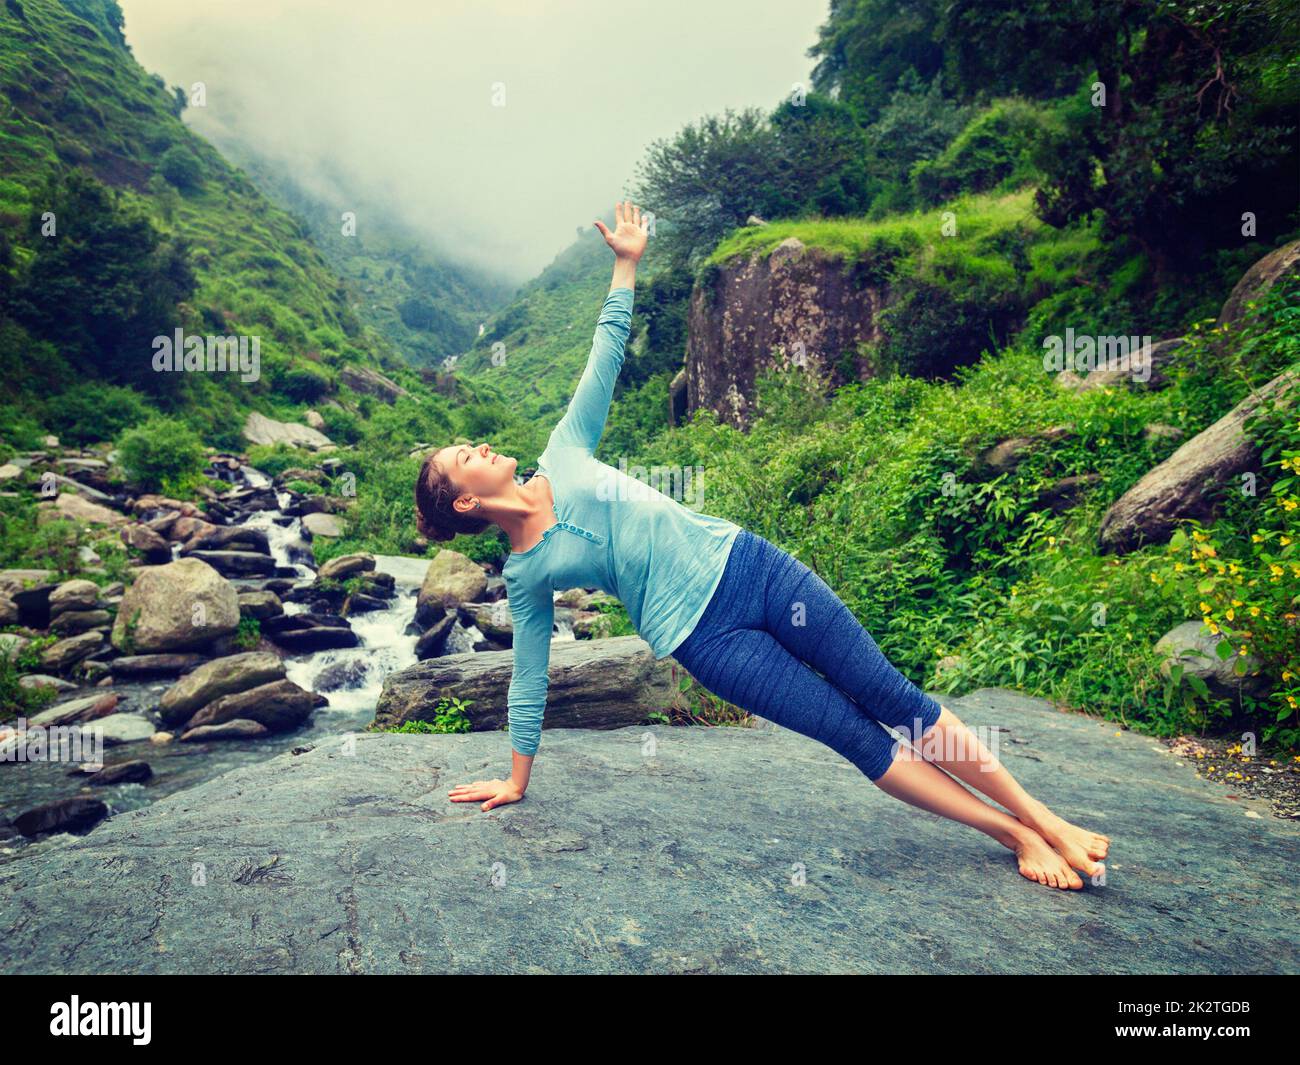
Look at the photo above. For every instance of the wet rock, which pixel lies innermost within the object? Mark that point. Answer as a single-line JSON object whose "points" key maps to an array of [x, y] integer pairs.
{"points": [[124, 728], [279, 706], [323, 525], [341, 676], [73, 595], [184, 605], [307, 633], [151, 544], [260, 605], [73, 711], [451, 578], [593, 684], [237, 563], [62, 656], [238, 729], [75, 814], [220, 677], [434, 640], [363, 380], [73, 622], [345, 566], [162, 665], [136, 771]]}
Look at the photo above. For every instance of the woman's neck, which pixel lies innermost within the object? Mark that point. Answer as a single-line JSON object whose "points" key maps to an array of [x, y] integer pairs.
{"points": [[529, 514]]}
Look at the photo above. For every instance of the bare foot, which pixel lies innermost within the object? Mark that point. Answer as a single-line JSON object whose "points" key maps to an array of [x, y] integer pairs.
{"points": [[1039, 862], [1078, 846]]}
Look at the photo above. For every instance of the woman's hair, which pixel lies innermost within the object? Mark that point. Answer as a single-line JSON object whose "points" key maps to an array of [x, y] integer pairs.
{"points": [[435, 516]]}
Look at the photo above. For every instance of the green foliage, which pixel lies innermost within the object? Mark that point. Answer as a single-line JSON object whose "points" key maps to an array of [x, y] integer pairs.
{"points": [[163, 454], [449, 716], [248, 635], [181, 167], [994, 150], [16, 700]]}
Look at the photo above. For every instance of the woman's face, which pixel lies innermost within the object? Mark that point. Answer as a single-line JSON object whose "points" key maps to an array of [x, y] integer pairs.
{"points": [[478, 470]]}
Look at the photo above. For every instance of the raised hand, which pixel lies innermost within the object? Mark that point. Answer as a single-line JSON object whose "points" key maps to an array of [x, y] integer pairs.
{"points": [[630, 232]]}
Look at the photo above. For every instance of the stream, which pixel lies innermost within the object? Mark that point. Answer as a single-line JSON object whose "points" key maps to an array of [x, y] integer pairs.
{"points": [[387, 643]]}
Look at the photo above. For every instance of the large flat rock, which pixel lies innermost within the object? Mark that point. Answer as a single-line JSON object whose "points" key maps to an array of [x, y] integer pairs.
{"points": [[679, 855]]}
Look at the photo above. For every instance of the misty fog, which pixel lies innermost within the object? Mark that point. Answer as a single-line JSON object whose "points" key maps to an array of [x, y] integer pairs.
{"points": [[392, 107]]}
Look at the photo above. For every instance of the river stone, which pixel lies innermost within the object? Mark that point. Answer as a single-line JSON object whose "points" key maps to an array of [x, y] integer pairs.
{"points": [[346, 856], [280, 706], [63, 655], [162, 604], [72, 622], [451, 578], [237, 563], [1188, 646], [1189, 483], [492, 619], [348, 674], [344, 566], [73, 595], [323, 525], [237, 729], [595, 684], [15, 580], [74, 507], [260, 605], [136, 771], [43, 680], [83, 708], [308, 633], [432, 642], [74, 814], [172, 665], [220, 537], [220, 677], [124, 728], [148, 542]]}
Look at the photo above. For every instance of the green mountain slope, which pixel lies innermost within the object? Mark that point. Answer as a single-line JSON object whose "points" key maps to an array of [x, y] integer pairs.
{"points": [[73, 101]]}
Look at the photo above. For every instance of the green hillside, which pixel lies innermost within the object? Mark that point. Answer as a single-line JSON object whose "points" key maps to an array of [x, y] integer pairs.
{"points": [[87, 132]]}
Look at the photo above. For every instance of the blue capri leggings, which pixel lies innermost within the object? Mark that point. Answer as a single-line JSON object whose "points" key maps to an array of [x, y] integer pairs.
{"points": [[769, 624]]}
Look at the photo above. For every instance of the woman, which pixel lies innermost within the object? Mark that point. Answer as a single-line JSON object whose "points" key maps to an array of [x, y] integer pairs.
{"points": [[747, 620]]}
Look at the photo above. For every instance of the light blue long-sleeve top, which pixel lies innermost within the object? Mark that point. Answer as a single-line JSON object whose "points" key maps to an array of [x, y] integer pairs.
{"points": [[612, 532]]}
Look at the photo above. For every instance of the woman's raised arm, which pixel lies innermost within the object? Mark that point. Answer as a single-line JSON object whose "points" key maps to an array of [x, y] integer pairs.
{"points": [[584, 421]]}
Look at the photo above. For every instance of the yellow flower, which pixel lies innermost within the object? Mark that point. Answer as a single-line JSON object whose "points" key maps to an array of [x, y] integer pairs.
{"points": [[1254, 612], [1205, 607], [1256, 538], [1236, 602], [1275, 569], [1178, 567], [1231, 614], [1290, 504], [1286, 540]]}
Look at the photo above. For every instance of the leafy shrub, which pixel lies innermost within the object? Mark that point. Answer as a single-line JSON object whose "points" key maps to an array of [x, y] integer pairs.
{"points": [[163, 454], [995, 148]]}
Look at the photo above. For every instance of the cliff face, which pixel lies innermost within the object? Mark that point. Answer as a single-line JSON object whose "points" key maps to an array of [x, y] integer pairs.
{"points": [[797, 306]]}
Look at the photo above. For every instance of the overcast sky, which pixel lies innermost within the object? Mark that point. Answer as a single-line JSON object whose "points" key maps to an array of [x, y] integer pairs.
{"points": [[391, 101]]}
